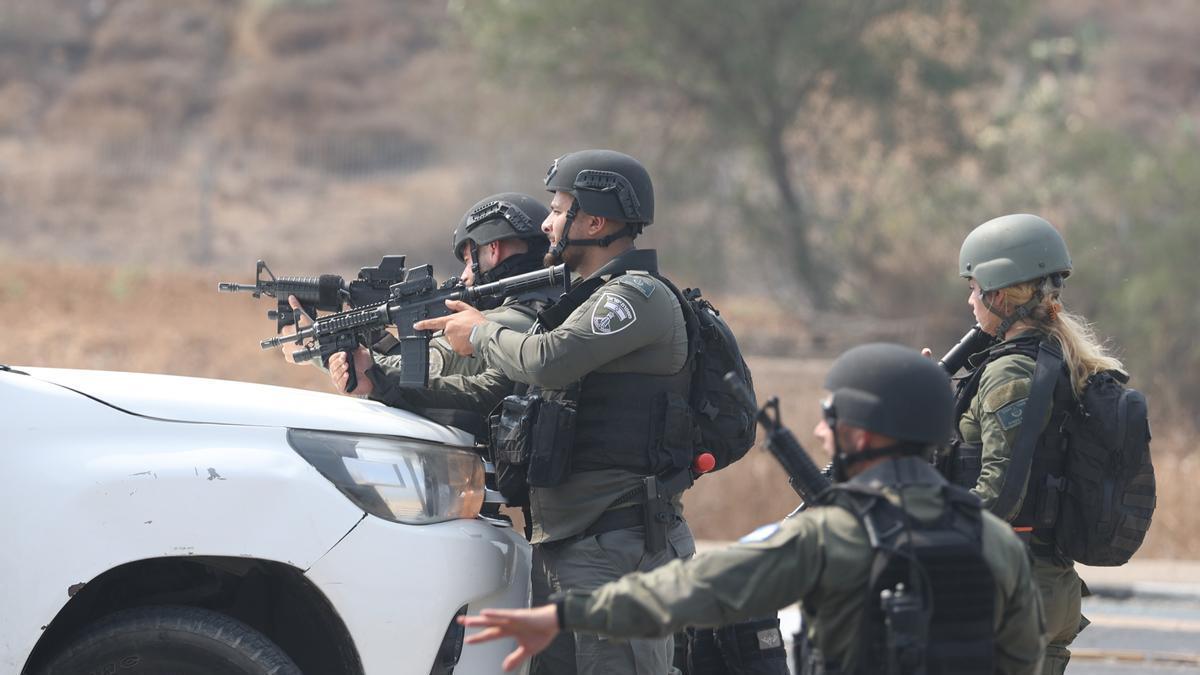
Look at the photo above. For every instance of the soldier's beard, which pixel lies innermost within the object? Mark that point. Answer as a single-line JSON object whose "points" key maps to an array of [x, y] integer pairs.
{"points": [[570, 256]]}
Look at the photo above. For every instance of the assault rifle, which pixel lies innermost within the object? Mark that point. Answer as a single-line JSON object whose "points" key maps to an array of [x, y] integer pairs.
{"points": [[972, 343], [414, 299], [803, 475], [327, 293]]}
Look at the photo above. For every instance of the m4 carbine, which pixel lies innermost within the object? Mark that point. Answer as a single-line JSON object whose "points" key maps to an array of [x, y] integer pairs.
{"points": [[416, 298], [803, 475], [327, 293]]}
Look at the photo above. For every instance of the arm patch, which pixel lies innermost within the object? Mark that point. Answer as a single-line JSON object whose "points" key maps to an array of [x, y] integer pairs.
{"points": [[639, 283], [612, 314], [1011, 415]]}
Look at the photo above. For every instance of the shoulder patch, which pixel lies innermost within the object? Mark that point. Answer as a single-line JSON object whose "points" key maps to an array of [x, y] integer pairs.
{"points": [[612, 314], [761, 534], [1011, 415], [998, 396], [638, 282]]}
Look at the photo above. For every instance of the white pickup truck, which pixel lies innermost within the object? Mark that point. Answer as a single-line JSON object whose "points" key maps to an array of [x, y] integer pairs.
{"points": [[156, 524]]}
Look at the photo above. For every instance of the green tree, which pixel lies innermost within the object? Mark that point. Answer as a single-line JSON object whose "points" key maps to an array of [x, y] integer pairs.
{"points": [[766, 76]]}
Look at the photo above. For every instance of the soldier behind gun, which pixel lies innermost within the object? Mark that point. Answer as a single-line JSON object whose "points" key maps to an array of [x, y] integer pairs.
{"points": [[606, 384], [974, 609], [500, 236]]}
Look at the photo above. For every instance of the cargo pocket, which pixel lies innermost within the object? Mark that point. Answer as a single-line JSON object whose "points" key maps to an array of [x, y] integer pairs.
{"points": [[967, 463]]}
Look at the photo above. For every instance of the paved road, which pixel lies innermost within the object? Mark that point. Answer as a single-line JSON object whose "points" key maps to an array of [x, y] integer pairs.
{"points": [[1142, 634]]}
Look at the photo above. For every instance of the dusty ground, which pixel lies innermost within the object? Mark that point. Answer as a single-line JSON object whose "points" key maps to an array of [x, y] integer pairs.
{"points": [[163, 322]]}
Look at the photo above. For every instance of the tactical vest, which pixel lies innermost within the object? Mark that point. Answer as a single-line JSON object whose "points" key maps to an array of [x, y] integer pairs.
{"points": [[929, 605], [633, 421], [1040, 507]]}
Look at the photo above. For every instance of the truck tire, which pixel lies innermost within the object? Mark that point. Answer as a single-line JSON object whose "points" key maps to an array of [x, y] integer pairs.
{"points": [[171, 640]]}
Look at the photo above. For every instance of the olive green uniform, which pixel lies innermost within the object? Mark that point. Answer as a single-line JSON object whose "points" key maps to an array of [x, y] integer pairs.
{"points": [[992, 422], [820, 557], [631, 324]]}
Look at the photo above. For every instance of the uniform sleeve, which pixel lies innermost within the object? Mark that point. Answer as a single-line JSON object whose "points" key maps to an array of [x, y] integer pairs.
{"points": [[387, 360], [616, 320], [999, 406], [712, 589], [476, 393]]}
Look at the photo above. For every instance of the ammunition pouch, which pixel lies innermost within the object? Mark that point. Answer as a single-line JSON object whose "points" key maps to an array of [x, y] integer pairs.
{"points": [[512, 429], [533, 432], [963, 464]]}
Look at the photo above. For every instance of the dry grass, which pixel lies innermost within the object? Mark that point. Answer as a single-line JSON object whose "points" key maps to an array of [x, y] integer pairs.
{"points": [[153, 321]]}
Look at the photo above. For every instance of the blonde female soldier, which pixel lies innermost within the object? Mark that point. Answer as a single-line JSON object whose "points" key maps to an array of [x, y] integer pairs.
{"points": [[1015, 266]]}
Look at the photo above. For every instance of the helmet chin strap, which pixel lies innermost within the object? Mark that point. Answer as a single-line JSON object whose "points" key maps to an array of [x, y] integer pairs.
{"points": [[565, 240], [1022, 312], [476, 272]]}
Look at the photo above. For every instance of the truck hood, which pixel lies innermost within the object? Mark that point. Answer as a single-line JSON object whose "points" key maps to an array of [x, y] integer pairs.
{"points": [[207, 401]]}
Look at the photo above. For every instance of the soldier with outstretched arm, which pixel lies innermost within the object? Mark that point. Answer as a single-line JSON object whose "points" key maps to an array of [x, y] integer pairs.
{"points": [[955, 593]]}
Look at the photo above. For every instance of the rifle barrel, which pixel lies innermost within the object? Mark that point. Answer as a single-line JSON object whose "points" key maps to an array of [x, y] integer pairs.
{"points": [[529, 280]]}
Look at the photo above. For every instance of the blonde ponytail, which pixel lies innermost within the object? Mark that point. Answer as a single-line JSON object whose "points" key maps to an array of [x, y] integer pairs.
{"points": [[1082, 351]]}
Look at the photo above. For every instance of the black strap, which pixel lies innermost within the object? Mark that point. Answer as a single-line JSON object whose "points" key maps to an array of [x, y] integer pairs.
{"points": [[1041, 397], [385, 344], [553, 316]]}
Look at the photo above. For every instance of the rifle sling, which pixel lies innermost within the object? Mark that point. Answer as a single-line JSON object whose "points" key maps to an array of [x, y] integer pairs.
{"points": [[1037, 409]]}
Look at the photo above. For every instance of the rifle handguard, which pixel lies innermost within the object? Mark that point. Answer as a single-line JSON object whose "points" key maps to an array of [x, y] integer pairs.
{"points": [[972, 343]]}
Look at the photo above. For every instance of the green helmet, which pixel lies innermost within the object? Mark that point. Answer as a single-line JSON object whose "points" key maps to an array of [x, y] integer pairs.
{"points": [[1013, 249], [892, 390], [605, 183], [508, 215]]}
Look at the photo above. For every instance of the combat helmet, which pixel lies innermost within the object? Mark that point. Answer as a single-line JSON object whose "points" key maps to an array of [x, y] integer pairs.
{"points": [[1013, 249], [603, 183], [891, 390], [507, 215], [1010, 250]]}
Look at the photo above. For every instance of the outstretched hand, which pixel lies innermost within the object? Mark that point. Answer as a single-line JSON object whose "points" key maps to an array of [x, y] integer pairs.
{"points": [[457, 326], [533, 629]]}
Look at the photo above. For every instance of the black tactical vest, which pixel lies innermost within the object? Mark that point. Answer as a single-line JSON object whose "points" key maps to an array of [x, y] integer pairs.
{"points": [[642, 423], [929, 605]]}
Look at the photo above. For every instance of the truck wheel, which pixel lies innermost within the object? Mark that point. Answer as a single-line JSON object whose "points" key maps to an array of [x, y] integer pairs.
{"points": [[174, 640]]}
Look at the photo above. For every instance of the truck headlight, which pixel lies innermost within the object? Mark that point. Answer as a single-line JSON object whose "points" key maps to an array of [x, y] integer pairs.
{"points": [[396, 479]]}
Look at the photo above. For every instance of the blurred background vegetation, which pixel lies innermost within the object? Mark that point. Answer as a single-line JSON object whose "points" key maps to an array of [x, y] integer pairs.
{"points": [[816, 163]]}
